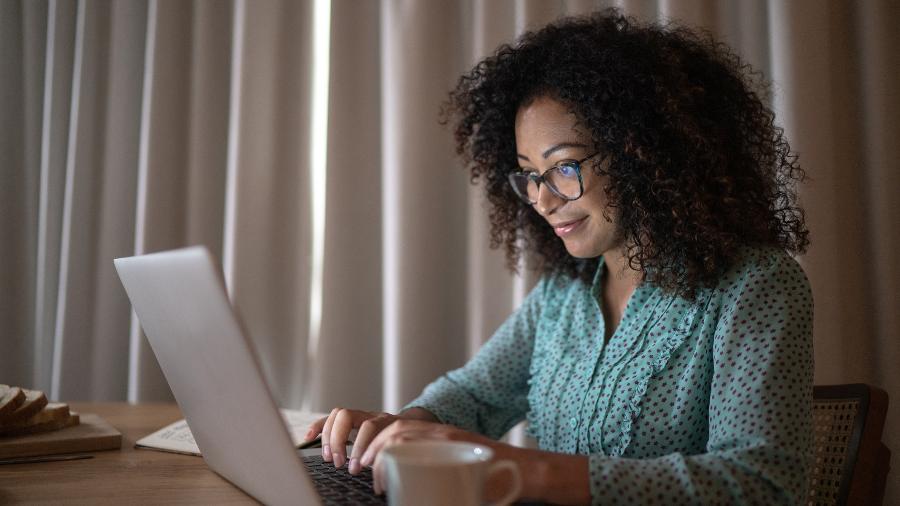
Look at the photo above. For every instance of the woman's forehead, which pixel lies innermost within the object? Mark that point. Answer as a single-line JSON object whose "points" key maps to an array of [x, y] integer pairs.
{"points": [[544, 122]]}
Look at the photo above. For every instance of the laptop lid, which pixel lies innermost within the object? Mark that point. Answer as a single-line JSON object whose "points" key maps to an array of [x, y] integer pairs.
{"points": [[179, 297]]}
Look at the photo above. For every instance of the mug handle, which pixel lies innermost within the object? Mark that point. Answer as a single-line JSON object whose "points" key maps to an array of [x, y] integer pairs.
{"points": [[516, 487]]}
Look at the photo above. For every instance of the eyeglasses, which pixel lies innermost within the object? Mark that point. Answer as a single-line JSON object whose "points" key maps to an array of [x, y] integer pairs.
{"points": [[563, 179]]}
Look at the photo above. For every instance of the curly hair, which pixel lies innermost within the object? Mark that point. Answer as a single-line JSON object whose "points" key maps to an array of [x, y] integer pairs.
{"points": [[697, 168]]}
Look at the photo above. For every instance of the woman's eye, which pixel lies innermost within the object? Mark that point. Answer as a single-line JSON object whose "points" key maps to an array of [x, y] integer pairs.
{"points": [[567, 170]]}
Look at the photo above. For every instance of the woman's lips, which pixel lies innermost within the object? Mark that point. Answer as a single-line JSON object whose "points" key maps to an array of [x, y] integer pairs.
{"points": [[568, 227]]}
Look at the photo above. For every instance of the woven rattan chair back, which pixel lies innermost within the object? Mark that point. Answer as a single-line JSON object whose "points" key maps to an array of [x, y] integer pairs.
{"points": [[851, 462]]}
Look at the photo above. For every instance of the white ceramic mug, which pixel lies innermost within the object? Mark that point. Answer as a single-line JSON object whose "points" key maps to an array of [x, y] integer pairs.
{"points": [[443, 473]]}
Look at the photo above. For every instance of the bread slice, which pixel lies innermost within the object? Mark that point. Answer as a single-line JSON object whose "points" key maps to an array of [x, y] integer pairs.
{"points": [[35, 400], [70, 420], [10, 400], [54, 414]]}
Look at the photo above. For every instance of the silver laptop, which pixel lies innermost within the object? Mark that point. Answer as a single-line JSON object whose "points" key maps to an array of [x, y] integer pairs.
{"points": [[179, 297]]}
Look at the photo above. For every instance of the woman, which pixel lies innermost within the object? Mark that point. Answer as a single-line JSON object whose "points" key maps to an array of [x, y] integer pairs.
{"points": [[666, 353]]}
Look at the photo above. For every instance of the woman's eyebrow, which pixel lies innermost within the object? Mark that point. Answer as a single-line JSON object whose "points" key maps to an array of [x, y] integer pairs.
{"points": [[554, 148], [562, 145]]}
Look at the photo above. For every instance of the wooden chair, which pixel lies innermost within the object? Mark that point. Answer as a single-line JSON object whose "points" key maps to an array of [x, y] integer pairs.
{"points": [[851, 463]]}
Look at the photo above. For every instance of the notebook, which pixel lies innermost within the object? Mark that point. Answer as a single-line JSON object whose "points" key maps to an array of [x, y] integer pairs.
{"points": [[180, 300]]}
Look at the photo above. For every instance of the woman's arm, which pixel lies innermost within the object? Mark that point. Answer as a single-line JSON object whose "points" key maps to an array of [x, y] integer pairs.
{"points": [[546, 477], [555, 478], [489, 394], [420, 414]]}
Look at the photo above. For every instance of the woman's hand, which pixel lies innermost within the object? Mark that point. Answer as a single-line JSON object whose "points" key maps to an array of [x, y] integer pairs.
{"points": [[401, 431], [336, 427], [546, 477]]}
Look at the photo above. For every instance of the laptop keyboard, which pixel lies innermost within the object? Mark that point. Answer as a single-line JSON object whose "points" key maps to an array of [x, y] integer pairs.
{"points": [[339, 487]]}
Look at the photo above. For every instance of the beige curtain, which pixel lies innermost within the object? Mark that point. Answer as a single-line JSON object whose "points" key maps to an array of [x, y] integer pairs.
{"points": [[139, 125]]}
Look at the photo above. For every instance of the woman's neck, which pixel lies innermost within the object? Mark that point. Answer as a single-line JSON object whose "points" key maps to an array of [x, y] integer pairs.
{"points": [[620, 277], [619, 283]]}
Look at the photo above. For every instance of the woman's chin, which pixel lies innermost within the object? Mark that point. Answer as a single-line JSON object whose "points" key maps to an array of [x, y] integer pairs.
{"points": [[580, 251]]}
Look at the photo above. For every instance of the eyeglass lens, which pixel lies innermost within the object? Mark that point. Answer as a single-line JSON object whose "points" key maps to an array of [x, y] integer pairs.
{"points": [[562, 179]]}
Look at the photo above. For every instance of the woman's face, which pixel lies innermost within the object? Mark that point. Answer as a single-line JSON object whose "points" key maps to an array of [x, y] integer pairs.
{"points": [[547, 134]]}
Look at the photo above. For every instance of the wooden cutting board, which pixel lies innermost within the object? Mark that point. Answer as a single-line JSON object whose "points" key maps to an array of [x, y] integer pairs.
{"points": [[92, 434]]}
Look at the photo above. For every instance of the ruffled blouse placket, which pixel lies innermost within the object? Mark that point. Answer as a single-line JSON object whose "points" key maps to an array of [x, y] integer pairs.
{"points": [[604, 398]]}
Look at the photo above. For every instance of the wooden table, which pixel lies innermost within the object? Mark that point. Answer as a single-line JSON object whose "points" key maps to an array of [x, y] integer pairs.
{"points": [[128, 475]]}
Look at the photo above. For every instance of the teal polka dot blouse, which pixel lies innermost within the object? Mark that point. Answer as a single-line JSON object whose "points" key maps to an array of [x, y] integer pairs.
{"points": [[704, 402]]}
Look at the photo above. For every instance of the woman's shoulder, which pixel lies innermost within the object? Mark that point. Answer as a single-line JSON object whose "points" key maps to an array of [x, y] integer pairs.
{"points": [[768, 267], [764, 284]]}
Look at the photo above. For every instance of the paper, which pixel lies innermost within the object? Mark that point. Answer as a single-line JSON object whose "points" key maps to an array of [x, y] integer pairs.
{"points": [[177, 436]]}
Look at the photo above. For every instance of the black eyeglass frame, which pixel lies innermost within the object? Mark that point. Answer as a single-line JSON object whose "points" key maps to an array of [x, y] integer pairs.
{"points": [[540, 178]]}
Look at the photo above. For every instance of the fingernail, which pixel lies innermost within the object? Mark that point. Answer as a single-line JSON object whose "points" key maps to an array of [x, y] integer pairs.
{"points": [[338, 460], [354, 465], [365, 460], [326, 453], [309, 434]]}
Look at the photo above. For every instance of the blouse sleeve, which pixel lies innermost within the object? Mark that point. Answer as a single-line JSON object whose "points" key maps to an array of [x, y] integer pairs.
{"points": [[760, 408], [488, 395]]}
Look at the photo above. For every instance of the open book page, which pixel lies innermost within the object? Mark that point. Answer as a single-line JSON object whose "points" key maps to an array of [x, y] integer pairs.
{"points": [[177, 437]]}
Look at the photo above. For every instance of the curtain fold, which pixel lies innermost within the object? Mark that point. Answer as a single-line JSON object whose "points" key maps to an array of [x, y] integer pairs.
{"points": [[13, 187], [74, 346], [57, 67], [346, 365], [112, 214], [492, 293], [424, 215], [879, 96], [270, 252], [134, 126]]}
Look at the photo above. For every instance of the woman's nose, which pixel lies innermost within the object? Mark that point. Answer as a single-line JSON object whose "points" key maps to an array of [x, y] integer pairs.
{"points": [[547, 201]]}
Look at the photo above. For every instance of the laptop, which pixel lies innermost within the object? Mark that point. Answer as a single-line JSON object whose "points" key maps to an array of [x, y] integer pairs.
{"points": [[180, 299]]}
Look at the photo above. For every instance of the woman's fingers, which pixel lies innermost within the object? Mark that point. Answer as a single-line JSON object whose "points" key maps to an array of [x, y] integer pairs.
{"points": [[337, 427], [315, 428], [326, 434], [395, 432], [371, 452], [375, 431], [344, 421], [379, 478], [408, 430], [377, 471], [368, 429]]}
